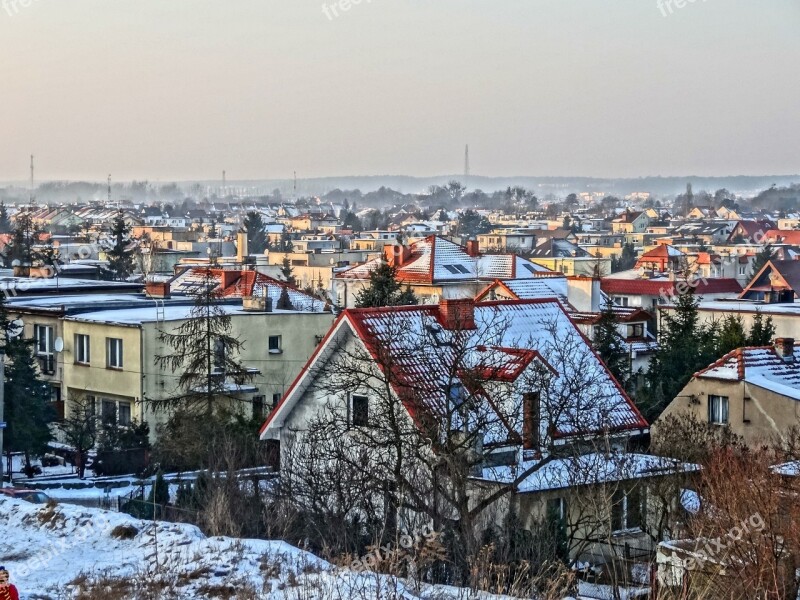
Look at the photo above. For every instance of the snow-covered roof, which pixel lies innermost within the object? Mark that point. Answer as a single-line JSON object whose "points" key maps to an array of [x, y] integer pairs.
{"points": [[245, 283], [535, 288], [587, 469], [759, 366], [423, 354]]}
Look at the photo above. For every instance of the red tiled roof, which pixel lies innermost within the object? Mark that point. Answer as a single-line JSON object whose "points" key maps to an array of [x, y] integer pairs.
{"points": [[783, 236], [656, 287]]}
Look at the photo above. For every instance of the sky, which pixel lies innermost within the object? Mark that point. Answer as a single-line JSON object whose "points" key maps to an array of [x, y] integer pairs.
{"points": [[164, 90]]}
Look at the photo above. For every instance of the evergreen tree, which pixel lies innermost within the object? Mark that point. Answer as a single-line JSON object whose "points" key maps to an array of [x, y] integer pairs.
{"points": [[610, 345], [287, 272], [119, 252], [80, 430], [351, 221], [761, 259], [384, 289], [683, 348], [21, 246], [731, 335], [203, 355], [27, 399], [5, 222], [256, 234], [626, 260], [284, 302], [762, 332]]}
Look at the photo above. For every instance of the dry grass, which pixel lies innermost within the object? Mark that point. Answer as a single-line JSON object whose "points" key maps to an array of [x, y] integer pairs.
{"points": [[124, 532]]}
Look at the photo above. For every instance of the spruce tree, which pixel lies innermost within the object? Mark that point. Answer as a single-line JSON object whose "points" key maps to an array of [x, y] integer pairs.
{"points": [[5, 222], [761, 259], [731, 335], [287, 272], [203, 355], [28, 412], [384, 289], [256, 233], [119, 253], [610, 345], [762, 332], [684, 347]]}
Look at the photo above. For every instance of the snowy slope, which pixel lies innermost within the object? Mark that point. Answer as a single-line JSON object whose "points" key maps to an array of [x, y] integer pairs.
{"points": [[47, 550]]}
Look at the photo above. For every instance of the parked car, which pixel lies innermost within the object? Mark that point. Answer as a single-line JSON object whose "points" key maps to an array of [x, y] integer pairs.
{"points": [[34, 496]]}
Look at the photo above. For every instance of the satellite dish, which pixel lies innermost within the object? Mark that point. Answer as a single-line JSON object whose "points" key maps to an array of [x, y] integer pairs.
{"points": [[58, 345], [15, 328]]}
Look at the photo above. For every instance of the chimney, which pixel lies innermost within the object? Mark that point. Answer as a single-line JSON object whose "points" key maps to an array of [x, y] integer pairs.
{"points": [[473, 248], [457, 314], [228, 278], [241, 247], [396, 255], [157, 289], [784, 347]]}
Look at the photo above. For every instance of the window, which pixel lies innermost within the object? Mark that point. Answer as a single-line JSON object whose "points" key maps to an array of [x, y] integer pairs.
{"points": [[359, 411], [108, 411], [557, 509], [531, 421], [44, 337], [621, 300], [636, 330], [124, 413], [628, 509], [275, 344], [276, 398], [81, 349], [718, 410], [114, 353]]}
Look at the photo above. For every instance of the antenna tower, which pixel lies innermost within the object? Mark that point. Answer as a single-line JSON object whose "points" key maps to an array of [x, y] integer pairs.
{"points": [[466, 163]]}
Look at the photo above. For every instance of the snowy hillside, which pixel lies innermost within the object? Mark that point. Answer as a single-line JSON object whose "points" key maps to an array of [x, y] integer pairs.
{"points": [[60, 552]]}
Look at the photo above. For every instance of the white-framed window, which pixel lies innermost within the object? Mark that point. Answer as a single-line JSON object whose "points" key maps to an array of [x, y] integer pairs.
{"points": [[82, 356], [718, 410], [274, 344], [124, 413], [44, 336], [557, 508], [114, 353], [359, 411], [628, 509]]}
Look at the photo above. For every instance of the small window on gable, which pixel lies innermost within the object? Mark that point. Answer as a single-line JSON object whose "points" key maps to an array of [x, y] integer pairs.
{"points": [[718, 410], [359, 411], [531, 421]]}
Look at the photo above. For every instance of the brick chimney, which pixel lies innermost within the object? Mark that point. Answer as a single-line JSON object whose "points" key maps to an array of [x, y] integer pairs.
{"points": [[228, 277], [457, 313], [784, 347], [396, 255], [157, 289], [473, 248]]}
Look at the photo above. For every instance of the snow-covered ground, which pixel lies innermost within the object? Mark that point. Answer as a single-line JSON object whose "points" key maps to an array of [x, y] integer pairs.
{"points": [[49, 551], [52, 551]]}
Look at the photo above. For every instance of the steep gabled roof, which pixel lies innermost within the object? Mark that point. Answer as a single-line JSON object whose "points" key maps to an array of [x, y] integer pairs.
{"points": [[777, 275], [522, 332]]}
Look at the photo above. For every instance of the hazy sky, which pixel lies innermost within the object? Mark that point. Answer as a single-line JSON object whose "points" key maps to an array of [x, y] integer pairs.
{"points": [[181, 89]]}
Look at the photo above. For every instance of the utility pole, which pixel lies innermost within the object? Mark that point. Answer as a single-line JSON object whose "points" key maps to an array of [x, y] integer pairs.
{"points": [[30, 198], [466, 164]]}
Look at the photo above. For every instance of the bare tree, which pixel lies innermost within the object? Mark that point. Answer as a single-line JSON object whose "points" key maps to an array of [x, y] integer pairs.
{"points": [[448, 425], [80, 429]]}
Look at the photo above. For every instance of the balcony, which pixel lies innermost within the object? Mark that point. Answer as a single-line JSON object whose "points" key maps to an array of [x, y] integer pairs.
{"points": [[47, 363]]}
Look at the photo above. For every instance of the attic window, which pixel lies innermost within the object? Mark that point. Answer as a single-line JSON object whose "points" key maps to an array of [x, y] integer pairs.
{"points": [[457, 269], [359, 411], [530, 268]]}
